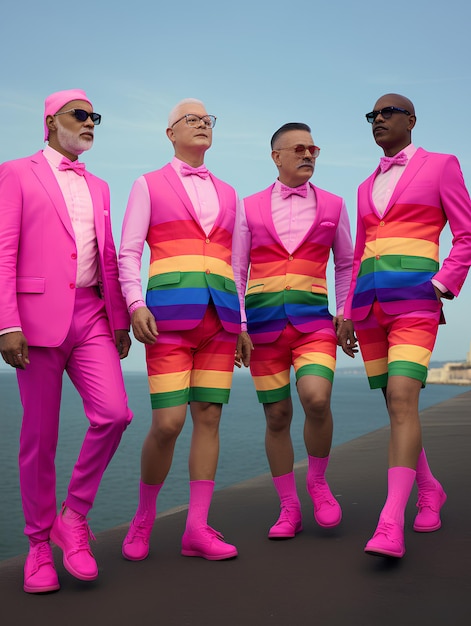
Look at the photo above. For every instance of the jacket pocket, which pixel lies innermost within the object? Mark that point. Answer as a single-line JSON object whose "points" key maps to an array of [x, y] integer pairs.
{"points": [[419, 263], [30, 284], [170, 278], [255, 289]]}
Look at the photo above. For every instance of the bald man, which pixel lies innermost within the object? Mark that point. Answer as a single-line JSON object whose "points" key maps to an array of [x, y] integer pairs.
{"points": [[396, 298], [189, 321]]}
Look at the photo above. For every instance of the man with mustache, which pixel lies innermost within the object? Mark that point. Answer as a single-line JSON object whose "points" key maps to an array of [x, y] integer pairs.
{"points": [[189, 322], [395, 300], [61, 309], [285, 235]]}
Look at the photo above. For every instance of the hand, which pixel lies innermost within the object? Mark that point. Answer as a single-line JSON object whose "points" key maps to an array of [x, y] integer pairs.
{"points": [[243, 350], [346, 338], [14, 349], [123, 342], [144, 326]]}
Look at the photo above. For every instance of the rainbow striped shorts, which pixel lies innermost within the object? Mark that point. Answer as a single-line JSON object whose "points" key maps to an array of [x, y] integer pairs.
{"points": [[396, 345], [192, 365], [311, 354]]}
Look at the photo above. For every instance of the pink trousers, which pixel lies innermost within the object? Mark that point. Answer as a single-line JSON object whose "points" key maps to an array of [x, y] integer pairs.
{"points": [[90, 358]]}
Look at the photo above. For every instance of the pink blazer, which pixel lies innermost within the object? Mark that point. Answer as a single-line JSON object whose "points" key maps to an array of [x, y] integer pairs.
{"points": [[38, 256], [430, 192]]}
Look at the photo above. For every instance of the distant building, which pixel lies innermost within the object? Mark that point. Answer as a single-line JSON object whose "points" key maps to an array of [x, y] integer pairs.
{"points": [[452, 373]]}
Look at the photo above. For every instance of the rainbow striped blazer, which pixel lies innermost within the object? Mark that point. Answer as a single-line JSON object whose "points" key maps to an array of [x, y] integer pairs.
{"points": [[397, 254], [286, 287], [187, 268]]}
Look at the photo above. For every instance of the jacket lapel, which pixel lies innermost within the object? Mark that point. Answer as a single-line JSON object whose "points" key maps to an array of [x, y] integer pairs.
{"points": [[44, 174], [416, 163]]}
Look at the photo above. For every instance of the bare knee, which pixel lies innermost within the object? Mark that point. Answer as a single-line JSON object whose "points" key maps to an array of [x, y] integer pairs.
{"points": [[278, 417]]}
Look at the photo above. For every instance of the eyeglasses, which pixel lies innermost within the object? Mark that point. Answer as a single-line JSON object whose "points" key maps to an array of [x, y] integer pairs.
{"points": [[385, 113], [209, 121], [300, 150], [81, 115]]}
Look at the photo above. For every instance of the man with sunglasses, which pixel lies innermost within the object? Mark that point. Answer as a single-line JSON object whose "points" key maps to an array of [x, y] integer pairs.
{"points": [[395, 300], [61, 309], [285, 235], [189, 322]]}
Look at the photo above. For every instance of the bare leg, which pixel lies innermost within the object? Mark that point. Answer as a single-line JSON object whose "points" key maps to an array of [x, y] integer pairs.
{"points": [[278, 444]]}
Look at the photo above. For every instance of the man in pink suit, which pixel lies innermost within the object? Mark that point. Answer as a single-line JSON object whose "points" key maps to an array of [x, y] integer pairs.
{"points": [[282, 244], [395, 300], [61, 309]]}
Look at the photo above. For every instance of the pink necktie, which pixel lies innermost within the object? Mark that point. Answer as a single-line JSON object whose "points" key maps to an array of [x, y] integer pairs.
{"points": [[201, 171], [286, 192], [387, 162], [67, 164]]}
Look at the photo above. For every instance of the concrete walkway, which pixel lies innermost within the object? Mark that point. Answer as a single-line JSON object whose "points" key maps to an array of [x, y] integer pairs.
{"points": [[320, 577]]}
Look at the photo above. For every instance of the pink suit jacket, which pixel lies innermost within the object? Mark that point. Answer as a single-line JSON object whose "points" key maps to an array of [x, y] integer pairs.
{"points": [[431, 187], [38, 255]]}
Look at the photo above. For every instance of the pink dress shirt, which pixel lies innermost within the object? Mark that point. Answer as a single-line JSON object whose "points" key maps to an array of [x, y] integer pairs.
{"points": [[292, 218], [204, 199]]}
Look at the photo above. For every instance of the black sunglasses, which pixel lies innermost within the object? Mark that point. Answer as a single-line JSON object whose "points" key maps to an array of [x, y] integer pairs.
{"points": [[385, 113], [81, 115]]}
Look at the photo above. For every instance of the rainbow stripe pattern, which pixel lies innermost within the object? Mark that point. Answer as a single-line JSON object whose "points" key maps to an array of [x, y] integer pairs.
{"points": [[400, 257]]}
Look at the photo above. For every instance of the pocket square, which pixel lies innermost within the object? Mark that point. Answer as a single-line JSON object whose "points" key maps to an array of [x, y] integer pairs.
{"points": [[327, 224]]}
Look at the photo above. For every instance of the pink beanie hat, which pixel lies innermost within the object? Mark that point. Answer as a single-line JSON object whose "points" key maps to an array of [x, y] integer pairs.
{"points": [[57, 100]]}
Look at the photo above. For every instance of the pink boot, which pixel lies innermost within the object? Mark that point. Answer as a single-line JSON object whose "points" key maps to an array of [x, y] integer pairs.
{"points": [[71, 533], [288, 525], [136, 543], [388, 538], [289, 522], [40, 575], [208, 544], [199, 539], [327, 511], [431, 498]]}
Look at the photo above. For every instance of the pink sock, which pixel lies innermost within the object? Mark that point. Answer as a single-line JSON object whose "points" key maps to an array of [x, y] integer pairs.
{"points": [[316, 470], [286, 488], [424, 476], [201, 493], [400, 482], [148, 500]]}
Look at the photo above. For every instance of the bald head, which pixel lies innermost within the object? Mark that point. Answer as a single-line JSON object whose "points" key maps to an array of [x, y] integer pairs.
{"points": [[392, 119], [395, 99]]}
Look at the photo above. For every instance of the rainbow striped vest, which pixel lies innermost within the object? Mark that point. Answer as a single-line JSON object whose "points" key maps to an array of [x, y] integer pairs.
{"points": [[187, 268]]}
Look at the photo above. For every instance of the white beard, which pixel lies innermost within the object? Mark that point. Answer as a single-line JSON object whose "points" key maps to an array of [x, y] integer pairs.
{"points": [[71, 142]]}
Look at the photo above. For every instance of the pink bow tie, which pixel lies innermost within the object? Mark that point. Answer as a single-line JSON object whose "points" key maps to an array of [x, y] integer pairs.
{"points": [[387, 162], [201, 171], [67, 164], [286, 192]]}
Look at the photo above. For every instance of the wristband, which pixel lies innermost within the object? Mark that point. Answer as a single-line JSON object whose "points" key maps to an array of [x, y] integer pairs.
{"points": [[137, 304]]}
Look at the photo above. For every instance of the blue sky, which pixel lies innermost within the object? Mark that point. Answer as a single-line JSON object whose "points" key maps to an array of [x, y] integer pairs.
{"points": [[256, 65]]}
